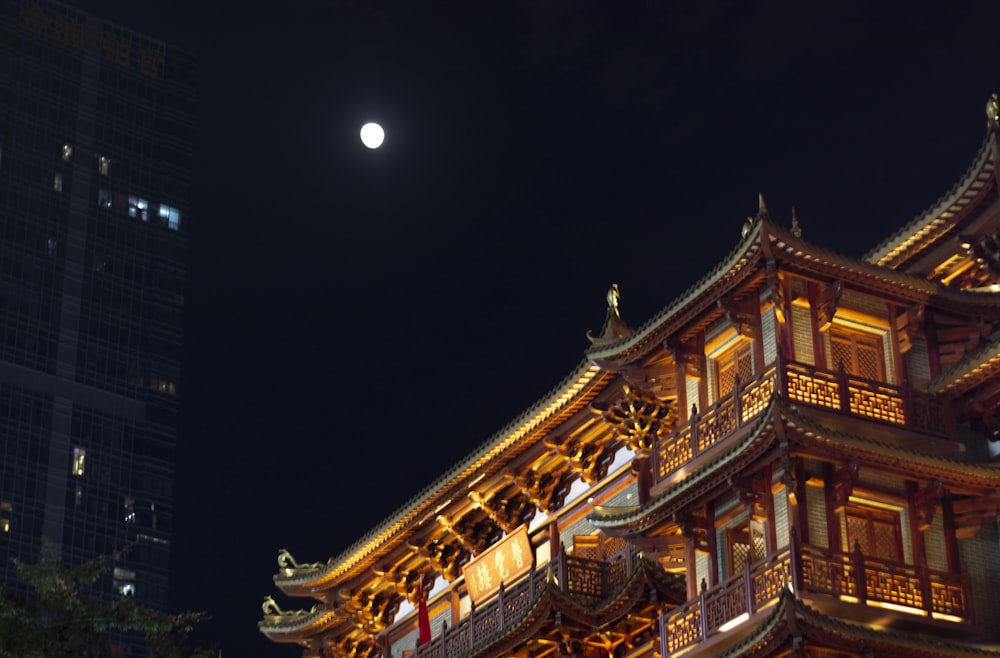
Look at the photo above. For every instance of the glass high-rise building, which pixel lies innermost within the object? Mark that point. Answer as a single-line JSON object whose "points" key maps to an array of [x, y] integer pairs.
{"points": [[96, 129]]}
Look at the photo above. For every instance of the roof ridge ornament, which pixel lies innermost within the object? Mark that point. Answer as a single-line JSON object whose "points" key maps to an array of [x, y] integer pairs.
{"points": [[796, 229], [614, 327], [762, 213], [993, 112]]}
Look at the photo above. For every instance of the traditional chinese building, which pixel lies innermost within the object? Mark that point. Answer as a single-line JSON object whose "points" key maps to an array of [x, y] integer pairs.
{"points": [[796, 457]]}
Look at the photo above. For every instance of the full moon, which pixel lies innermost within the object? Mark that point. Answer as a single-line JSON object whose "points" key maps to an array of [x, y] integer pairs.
{"points": [[372, 135]]}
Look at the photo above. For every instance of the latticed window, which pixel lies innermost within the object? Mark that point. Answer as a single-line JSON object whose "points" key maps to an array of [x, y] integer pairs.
{"points": [[876, 531], [734, 362], [746, 544], [860, 352]]}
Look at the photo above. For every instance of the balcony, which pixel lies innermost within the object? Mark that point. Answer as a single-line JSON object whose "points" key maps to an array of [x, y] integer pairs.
{"points": [[824, 578], [590, 582], [834, 391]]}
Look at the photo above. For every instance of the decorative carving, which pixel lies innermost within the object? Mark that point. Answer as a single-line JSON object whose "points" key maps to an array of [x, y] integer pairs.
{"points": [[546, 490], [908, 324], [286, 561], [993, 112], [696, 528], [842, 485], [741, 315], [796, 229], [590, 459], [640, 418], [925, 502], [827, 300], [270, 608], [475, 530], [752, 493], [508, 512], [444, 557], [614, 327], [690, 356]]}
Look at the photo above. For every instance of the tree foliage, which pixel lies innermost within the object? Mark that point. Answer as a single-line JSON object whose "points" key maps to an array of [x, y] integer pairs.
{"points": [[62, 615]]}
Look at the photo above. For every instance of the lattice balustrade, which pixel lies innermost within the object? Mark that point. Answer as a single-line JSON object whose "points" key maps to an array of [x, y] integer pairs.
{"points": [[767, 582], [673, 452], [487, 623], [683, 627], [754, 399], [825, 575], [949, 598], [584, 578], [725, 604], [817, 388], [896, 586], [716, 425], [874, 401]]}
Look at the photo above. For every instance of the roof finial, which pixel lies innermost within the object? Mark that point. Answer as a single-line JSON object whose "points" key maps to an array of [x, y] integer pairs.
{"points": [[993, 112], [796, 229], [614, 326], [762, 207]]}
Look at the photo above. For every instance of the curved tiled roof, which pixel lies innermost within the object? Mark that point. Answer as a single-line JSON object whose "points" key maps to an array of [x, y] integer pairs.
{"points": [[633, 519], [975, 368], [712, 474], [686, 306], [771, 241], [934, 222], [792, 617], [362, 553]]}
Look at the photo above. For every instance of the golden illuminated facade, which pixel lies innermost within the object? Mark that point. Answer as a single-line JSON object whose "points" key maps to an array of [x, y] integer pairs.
{"points": [[797, 457]]}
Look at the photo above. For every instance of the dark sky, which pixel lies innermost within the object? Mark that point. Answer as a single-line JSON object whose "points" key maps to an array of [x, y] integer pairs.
{"points": [[357, 321]]}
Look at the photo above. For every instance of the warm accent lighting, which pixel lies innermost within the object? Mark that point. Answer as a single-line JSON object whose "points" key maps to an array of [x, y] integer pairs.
{"points": [[898, 608], [734, 622]]}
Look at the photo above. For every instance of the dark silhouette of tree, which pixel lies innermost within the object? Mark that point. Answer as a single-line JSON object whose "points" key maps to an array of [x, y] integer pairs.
{"points": [[62, 616]]}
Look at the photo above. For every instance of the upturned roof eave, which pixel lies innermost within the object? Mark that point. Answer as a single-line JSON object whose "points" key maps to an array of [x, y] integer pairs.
{"points": [[892, 252], [389, 533], [685, 307], [966, 374], [782, 246]]}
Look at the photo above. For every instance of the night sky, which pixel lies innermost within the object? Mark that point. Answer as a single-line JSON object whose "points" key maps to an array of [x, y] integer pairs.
{"points": [[357, 321]]}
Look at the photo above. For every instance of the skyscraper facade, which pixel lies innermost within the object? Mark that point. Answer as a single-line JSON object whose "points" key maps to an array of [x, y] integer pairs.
{"points": [[96, 129]]}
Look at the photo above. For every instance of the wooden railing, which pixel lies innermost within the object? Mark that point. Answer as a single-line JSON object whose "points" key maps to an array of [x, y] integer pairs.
{"points": [[591, 581], [847, 394], [802, 384], [704, 430], [854, 577], [816, 572], [757, 586]]}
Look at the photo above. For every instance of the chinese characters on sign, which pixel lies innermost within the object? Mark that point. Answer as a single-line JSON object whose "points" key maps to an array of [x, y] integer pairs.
{"points": [[504, 562]]}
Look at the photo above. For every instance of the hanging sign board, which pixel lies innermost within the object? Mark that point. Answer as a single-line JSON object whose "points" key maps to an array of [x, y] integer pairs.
{"points": [[504, 562]]}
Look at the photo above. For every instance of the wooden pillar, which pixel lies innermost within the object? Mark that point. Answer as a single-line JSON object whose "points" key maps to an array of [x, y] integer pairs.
{"points": [[819, 353], [916, 536], [950, 539], [834, 540], [713, 548]]}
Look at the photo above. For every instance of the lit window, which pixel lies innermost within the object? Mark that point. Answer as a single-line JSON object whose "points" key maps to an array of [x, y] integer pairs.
{"points": [[79, 461], [860, 353], [171, 215], [104, 198], [79, 496], [67, 152], [129, 509], [5, 524], [103, 164], [52, 247], [138, 208], [57, 183], [7, 506], [734, 365], [124, 581]]}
